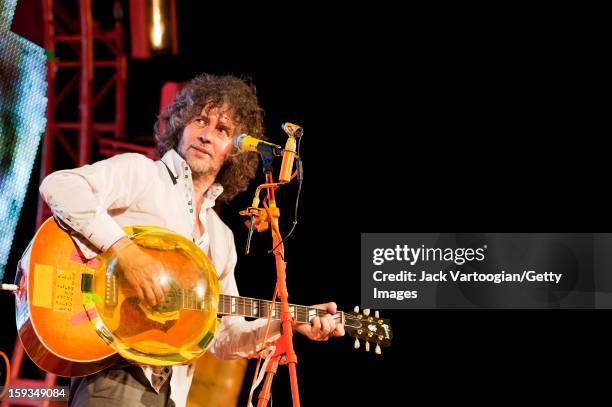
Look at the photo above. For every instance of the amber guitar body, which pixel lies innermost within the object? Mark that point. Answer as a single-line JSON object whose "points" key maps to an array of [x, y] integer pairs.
{"points": [[76, 317]]}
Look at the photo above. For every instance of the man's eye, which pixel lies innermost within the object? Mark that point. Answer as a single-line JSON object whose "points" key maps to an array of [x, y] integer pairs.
{"points": [[201, 121]]}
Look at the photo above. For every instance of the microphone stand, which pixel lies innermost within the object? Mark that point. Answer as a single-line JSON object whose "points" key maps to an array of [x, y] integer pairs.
{"points": [[262, 218]]}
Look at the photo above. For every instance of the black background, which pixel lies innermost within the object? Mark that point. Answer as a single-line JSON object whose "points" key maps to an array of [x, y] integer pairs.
{"points": [[415, 121]]}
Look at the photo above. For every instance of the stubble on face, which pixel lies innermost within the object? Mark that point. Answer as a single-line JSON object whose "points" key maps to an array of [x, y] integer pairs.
{"points": [[198, 167]]}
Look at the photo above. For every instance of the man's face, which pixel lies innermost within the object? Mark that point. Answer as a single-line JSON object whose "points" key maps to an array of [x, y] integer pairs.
{"points": [[207, 140]]}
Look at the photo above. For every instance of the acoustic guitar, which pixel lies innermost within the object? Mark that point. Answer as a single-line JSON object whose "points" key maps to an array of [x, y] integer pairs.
{"points": [[76, 317]]}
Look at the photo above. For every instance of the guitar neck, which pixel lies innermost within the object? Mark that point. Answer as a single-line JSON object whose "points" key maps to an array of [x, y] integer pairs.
{"points": [[255, 308]]}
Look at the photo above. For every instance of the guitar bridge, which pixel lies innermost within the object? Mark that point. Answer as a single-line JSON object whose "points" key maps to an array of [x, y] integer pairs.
{"points": [[111, 291]]}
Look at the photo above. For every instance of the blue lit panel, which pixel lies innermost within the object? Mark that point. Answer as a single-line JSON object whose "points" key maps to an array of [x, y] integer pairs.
{"points": [[23, 103], [7, 9]]}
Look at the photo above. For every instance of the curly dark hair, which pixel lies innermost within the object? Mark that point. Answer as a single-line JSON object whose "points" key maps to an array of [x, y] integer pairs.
{"points": [[239, 94]]}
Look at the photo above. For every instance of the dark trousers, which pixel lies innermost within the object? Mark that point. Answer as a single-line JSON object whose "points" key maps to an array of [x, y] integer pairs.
{"points": [[118, 386]]}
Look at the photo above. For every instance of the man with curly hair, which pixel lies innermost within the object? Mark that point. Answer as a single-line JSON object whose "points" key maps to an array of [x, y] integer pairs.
{"points": [[199, 166]]}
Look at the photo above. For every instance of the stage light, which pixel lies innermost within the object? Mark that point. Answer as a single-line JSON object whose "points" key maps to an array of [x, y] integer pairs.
{"points": [[158, 28], [153, 28]]}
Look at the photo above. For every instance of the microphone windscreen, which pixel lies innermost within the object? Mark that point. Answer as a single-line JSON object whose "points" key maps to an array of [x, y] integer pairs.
{"points": [[237, 140]]}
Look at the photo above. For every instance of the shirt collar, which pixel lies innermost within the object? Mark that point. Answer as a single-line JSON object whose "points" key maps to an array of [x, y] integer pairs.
{"points": [[180, 169]]}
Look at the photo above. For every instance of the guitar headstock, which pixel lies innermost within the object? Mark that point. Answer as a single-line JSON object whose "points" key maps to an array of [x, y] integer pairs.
{"points": [[368, 327]]}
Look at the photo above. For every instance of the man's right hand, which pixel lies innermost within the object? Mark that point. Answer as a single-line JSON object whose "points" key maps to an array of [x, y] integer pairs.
{"points": [[141, 270]]}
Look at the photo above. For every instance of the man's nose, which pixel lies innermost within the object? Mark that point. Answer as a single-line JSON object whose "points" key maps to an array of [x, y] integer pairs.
{"points": [[205, 136]]}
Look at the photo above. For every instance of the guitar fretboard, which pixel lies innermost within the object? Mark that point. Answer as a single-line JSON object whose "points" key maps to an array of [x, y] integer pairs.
{"points": [[255, 308]]}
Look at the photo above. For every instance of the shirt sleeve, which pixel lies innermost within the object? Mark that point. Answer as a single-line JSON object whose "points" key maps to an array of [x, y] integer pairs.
{"points": [[81, 198], [237, 338]]}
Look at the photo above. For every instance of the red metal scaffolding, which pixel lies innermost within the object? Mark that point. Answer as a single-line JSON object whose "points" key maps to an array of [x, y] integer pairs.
{"points": [[86, 65]]}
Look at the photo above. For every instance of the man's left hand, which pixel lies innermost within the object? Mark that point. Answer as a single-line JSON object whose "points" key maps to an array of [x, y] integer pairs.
{"points": [[321, 328]]}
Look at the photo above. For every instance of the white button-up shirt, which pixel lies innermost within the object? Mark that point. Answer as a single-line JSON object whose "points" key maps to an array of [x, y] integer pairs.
{"points": [[97, 200]]}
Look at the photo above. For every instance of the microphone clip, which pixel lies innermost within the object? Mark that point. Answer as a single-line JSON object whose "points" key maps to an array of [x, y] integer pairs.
{"points": [[259, 219]]}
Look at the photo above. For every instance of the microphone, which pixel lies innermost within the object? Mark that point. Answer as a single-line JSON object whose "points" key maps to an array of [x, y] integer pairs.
{"points": [[293, 131], [244, 142]]}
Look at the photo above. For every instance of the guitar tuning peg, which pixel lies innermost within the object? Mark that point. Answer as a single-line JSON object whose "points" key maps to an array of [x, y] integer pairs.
{"points": [[377, 349], [367, 347], [376, 314], [356, 309], [357, 344], [366, 311]]}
